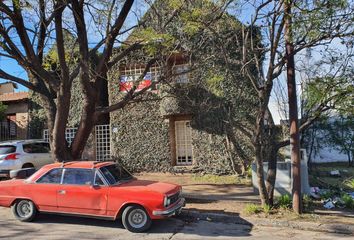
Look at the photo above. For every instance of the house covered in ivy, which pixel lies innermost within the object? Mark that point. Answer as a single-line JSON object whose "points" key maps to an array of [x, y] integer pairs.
{"points": [[198, 110]]}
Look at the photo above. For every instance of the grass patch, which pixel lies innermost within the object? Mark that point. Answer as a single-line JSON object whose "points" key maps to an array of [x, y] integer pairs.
{"points": [[225, 179], [348, 201], [251, 209], [349, 183], [284, 201]]}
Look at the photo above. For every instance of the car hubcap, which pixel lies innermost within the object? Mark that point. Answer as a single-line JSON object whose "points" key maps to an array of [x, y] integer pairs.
{"points": [[24, 209], [137, 218]]}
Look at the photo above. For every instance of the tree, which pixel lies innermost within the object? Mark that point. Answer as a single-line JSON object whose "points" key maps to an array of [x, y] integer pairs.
{"points": [[340, 135], [315, 24], [38, 25]]}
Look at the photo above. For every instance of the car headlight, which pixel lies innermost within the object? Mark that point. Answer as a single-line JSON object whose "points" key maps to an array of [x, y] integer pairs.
{"points": [[166, 201]]}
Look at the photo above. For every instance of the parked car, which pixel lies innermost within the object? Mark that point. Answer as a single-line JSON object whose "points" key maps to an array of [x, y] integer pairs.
{"points": [[92, 189], [23, 154]]}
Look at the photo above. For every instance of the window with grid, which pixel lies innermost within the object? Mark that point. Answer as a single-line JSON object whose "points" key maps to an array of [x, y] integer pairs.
{"points": [[184, 150], [182, 73], [132, 73]]}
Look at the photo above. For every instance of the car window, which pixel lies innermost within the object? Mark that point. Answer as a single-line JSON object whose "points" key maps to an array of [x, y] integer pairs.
{"points": [[53, 176], [5, 149], [98, 180], [36, 148], [115, 173], [78, 176]]}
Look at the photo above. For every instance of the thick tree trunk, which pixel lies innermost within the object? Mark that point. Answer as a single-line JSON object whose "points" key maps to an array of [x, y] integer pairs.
{"points": [[258, 145], [271, 173], [263, 194], [86, 126], [60, 146]]}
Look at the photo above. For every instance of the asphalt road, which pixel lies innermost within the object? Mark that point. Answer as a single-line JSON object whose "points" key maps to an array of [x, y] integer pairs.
{"points": [[47, 227]]}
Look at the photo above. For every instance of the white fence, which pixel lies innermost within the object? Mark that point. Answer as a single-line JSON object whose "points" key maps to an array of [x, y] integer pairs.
{"points": [[102, 140]]}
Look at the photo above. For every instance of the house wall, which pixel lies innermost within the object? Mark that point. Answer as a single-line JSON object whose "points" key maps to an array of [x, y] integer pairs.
{"points": [[7, 88], [142, 138], [19, 113], [16, 107], [22, 125]]}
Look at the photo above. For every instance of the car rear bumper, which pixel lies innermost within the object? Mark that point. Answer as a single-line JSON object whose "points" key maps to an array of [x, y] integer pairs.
{"points": [[174, 210], [5, 173]]}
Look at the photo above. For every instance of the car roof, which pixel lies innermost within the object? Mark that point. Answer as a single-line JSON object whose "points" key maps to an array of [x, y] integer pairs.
{"points": [[79, 164], [22, 141]]}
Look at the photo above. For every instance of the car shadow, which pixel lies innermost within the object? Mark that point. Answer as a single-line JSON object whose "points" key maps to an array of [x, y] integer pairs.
{"points": [[45, 218], [185, 225]]}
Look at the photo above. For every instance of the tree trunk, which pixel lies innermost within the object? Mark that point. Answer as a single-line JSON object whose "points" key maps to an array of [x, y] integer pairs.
{"points": [[87, 124], [258, 145], [263, 194], [293, 114], [271, 173]]}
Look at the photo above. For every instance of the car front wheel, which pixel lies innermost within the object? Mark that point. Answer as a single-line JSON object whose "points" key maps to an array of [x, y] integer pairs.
{"points": [[135, 219], [24, 210]]}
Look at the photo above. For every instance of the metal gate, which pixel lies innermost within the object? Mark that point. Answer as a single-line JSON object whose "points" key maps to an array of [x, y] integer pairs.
{"points": [[102, 141]]}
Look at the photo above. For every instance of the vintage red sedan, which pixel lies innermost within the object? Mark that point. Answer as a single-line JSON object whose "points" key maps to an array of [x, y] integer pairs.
{"points": [[92, 189]]}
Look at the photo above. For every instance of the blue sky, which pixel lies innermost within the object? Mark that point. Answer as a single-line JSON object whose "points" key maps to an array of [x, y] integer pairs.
{"points": [[11, 67]]}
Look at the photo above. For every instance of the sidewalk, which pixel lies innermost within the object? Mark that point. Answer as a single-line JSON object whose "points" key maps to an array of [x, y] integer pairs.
{"points": [[226, 203]]}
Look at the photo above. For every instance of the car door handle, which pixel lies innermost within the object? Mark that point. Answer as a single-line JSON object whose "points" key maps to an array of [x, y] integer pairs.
{"points": [[62, 192]]}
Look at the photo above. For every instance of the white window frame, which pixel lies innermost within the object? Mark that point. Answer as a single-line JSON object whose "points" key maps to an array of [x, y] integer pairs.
{"points": [[183, 143]]}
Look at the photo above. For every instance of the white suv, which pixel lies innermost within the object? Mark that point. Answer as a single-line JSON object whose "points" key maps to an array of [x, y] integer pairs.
{"points": [[23, 154]]}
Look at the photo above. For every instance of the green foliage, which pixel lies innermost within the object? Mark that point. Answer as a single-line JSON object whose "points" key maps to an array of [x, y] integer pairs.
{"points": [[348, 201], [331, 91], [326, 194], [284, 201], [252, 209], [316, 16], [154, 41], [215, 82], [249, 171], [307, 202], [349, 183], [3, 108], [266, 209]]}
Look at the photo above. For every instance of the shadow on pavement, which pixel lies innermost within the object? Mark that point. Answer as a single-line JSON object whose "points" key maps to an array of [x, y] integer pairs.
{"points": [[188, 226]]}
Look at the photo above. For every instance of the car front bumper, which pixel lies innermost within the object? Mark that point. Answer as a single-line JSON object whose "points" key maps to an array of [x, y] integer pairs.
{"points": [[174, 210]]}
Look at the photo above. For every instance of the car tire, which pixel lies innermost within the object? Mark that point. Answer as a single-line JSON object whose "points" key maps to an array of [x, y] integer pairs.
{"points": [[135, 219], [24, 210]]}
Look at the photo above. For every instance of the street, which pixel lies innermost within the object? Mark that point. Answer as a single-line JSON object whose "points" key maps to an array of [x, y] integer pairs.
{"points": [[63, 227]]}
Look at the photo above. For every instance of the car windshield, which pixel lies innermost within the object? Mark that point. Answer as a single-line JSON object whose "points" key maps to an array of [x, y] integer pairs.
{"points": [[6, 149], [115, 173]]}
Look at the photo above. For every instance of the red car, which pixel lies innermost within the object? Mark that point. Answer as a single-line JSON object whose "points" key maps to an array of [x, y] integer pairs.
{"points": [[92, 189]]}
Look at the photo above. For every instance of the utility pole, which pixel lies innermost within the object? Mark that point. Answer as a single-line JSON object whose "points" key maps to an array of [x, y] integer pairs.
{"points": [[293, 115]]}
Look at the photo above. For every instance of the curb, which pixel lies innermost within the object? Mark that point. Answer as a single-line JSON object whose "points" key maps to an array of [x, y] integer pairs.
{"points": [[307, 226]]}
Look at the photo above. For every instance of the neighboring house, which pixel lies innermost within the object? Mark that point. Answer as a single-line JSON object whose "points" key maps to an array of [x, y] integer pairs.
{"points": [[15, 123]]}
